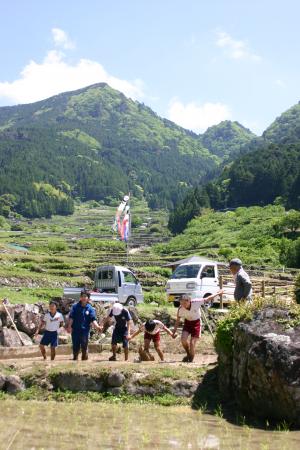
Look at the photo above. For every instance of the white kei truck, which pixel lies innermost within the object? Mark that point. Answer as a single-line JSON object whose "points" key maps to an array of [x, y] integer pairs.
{"points": [[112, 284], [199, 278]]}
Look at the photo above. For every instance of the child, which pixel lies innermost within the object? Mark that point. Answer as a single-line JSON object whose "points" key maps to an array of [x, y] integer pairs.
{"points": [[190, 311], [121, 330], [151, 329], [52, 321]]}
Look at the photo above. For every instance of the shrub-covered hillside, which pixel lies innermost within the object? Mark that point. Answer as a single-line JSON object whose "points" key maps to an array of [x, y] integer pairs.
{"points": [[257, 235]]}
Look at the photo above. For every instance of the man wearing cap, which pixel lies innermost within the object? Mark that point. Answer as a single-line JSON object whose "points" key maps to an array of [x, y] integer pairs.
{"points": [[243, 285], [121, 330], [81, 317]]}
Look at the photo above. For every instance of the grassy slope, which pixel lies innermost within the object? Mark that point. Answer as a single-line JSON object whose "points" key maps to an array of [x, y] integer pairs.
{"points": [[247, 233]]}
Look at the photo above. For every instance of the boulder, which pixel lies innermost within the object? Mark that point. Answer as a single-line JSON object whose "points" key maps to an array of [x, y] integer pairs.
{"points": [[10, 338], [27, 318], [115, 379], [4, 317], [76, 382], [14, 384], [263, 372], [184, 388], [2, 381], [64, 305]]}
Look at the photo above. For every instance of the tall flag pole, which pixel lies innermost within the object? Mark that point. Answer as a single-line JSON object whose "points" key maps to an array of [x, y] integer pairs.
{"points": [[122, 225]]}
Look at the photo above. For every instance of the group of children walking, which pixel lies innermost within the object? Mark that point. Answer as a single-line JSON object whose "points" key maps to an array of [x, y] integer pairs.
{"points": [[83, 316]]}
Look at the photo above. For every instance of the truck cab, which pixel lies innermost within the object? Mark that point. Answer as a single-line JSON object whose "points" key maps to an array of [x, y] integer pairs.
{"points": [[121, 281], [200, 280], [112, 284]]}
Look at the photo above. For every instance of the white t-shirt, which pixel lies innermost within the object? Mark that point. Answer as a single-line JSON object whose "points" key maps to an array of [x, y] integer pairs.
{"points": [[190, 314], [53, 322], [158, 326]]}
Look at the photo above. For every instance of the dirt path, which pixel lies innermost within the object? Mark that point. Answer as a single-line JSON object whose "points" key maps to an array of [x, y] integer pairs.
{"points": [[101, 359]]}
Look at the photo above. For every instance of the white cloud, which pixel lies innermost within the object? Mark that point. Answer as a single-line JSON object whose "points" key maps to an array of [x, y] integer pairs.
{"points": [[55, 74], [235, 49], [61, 39], [280, 83], [198, 117]]}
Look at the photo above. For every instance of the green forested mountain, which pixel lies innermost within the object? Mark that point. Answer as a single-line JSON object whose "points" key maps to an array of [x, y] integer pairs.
{"points": [[286, 128], [227, 139], [267, 169], [96, 144]]}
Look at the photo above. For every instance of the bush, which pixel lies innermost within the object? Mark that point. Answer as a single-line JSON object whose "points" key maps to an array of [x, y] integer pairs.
{"points": [[98, 244], [136, 221], [297, 289], [57, 246], [155, 297]]}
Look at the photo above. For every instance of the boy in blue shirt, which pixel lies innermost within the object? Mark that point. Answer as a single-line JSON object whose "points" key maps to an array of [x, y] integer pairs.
{"points": [[81, 317], [121, 331]]}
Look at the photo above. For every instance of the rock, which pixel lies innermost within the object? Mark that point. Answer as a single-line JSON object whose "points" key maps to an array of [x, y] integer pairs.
{"points": [[27, 318], [77, 382], [183, 388], [263, 372], [115, 379], [14, 384], [10, 338], [2, 381], [114, 390], [64, 305], [133, 389], [4, 317]]}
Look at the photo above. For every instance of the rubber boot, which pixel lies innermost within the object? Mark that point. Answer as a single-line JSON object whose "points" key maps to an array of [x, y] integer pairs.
{"points": [[84, 356]]}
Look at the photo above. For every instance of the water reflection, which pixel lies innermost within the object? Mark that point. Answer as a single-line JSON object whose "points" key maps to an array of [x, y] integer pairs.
{"points": [[50, 425]]}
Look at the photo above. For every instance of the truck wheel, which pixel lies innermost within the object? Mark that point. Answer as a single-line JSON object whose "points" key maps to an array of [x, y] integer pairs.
{"points": [[131, 301]]}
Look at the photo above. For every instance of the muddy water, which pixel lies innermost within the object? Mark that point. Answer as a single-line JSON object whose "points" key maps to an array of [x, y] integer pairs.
{"points": [[49, 425]]}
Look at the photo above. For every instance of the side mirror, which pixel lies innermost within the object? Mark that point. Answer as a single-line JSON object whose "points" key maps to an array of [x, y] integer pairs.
{"points": [[203, 275]]}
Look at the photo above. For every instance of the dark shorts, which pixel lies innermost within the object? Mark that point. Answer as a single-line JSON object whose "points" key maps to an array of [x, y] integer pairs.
{"points": [[119, 336], [193, 327], [152, 337], [80, 341], [50, 338]]}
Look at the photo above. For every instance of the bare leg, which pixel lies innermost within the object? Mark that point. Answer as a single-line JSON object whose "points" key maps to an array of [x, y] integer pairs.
{"points": [[185, 344], [43, 351], [159, 352], [114, 349], [126, 353], [193, 344], [147, 343], [52, 353]]}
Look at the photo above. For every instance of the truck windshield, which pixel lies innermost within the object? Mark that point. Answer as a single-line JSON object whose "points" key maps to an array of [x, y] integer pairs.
{"points": [[187, 271]]}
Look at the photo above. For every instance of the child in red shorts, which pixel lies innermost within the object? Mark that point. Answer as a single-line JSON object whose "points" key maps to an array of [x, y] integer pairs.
{"points": [[151, 329]]}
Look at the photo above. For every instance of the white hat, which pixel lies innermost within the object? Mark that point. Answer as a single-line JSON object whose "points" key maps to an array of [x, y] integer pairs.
{"points": [[117, 309]]}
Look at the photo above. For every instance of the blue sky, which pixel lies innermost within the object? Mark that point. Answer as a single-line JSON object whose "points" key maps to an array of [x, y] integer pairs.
{"points": [[195, 62]]}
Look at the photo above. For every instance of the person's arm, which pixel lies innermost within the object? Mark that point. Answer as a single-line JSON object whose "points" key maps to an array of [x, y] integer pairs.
{"points": [[167, 330], [70, 320], [96, 325], [176, 323], [209, 298], [136, 333], [129, 326]]}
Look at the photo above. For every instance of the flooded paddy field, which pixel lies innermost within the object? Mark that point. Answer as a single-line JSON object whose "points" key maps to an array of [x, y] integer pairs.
{"points": [[51, 425]]}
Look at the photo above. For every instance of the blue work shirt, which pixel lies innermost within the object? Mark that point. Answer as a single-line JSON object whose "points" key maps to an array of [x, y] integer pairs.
{"points": [[82, 317]]}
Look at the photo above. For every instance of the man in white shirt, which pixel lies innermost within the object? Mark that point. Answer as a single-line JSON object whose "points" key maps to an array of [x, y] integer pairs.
{"points": [[52, 321], [189, 310]]}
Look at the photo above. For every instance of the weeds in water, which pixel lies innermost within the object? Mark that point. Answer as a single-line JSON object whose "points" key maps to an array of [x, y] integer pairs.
{"points": [[219, 411], [283, 426]]}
